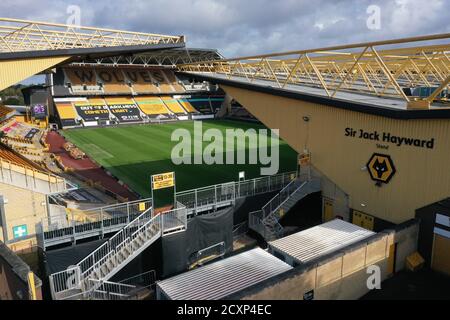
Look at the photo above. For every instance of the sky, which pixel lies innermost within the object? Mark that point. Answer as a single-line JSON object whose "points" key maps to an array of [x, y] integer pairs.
{"points": [[247, 27]]}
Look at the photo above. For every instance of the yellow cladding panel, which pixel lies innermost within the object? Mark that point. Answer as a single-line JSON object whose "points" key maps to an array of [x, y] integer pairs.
{"points": [[420, 175], [14, 71]]}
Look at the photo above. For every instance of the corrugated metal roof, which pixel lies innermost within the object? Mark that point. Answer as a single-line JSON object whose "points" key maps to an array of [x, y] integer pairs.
{"points": [[320, 240], [225, 277]]}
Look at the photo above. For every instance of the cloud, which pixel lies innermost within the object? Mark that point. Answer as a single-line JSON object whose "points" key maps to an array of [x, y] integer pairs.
{"points": [[237, 27]]}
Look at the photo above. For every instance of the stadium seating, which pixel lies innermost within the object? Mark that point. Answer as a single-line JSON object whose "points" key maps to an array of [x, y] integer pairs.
{"points": [[12, 157], [187, 106], [173, 105], [82, 80], [5, 112], [162, 83], [66, 110], [113, 81], [141, 81], [151, 106], [19, 132], [173, 81], [202, 104]]}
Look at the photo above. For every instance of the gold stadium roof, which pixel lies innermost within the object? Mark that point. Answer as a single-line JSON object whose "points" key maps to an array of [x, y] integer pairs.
{"points": [[25, 35]]}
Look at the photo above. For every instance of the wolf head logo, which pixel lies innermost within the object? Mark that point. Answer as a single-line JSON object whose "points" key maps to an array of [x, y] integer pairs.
{"points": [[380, 167]]}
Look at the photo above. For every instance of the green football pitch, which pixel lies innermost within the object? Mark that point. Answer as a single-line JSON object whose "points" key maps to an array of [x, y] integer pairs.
{"points": [[134, 153]]}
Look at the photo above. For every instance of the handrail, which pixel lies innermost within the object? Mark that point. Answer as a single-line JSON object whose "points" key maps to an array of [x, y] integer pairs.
{"points": [[195, 200], [117, 205], [156, 217], [290, 194], [107, 245], [277, 195]]}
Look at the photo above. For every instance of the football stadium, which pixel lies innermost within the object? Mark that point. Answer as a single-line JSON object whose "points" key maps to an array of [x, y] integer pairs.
{"points": [[146, 169]]}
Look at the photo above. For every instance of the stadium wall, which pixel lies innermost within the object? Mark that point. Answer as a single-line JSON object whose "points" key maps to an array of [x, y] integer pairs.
{"points": [[343, 274], [419, 177], [20, 207]]}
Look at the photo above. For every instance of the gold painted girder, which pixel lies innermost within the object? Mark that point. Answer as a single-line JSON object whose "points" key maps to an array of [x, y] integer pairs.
{"points": [[25, 35], [369, 68]]}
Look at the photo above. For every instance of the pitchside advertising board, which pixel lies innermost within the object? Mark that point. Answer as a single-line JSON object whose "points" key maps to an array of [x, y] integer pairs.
{"points": [[126, 112], [163, 190], [93, 113]]}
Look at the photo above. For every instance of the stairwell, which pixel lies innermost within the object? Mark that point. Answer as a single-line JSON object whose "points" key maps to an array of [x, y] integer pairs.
{"points": [[267, 220], [102, 264]]}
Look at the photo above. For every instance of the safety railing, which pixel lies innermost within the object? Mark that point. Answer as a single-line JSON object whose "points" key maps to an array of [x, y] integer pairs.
{"points": [[104, 290], [208, 254], [207, 198], [240, 229], [144, 280], [257, 223], [281, 197], [174, 220], [212, 197], [65, 282], [103, 220], [115, 243], [98, 221], [134, 237]]}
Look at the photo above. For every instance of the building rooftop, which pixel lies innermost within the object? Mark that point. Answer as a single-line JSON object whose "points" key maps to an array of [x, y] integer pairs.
{"points": [[223, 278], [356, 101], [320, 240]]}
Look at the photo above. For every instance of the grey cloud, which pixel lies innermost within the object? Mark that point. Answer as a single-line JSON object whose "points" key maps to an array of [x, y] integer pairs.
{"points": [[238, 27]]}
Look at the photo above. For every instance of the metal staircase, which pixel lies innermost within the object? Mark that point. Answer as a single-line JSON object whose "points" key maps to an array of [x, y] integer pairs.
{"points": [[116, 253], [267, 220]]}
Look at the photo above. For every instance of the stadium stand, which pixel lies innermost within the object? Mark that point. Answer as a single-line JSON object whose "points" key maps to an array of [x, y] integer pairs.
{"points": [[173, 105], [82, 80], [113, 81], [141, 81], [5, 112], [202, 104], [152, 106], [187, 106], [19, 131], [9, 155], [216, 102], [124, 109], [173, 81], [66, 112], [162, 82]]}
